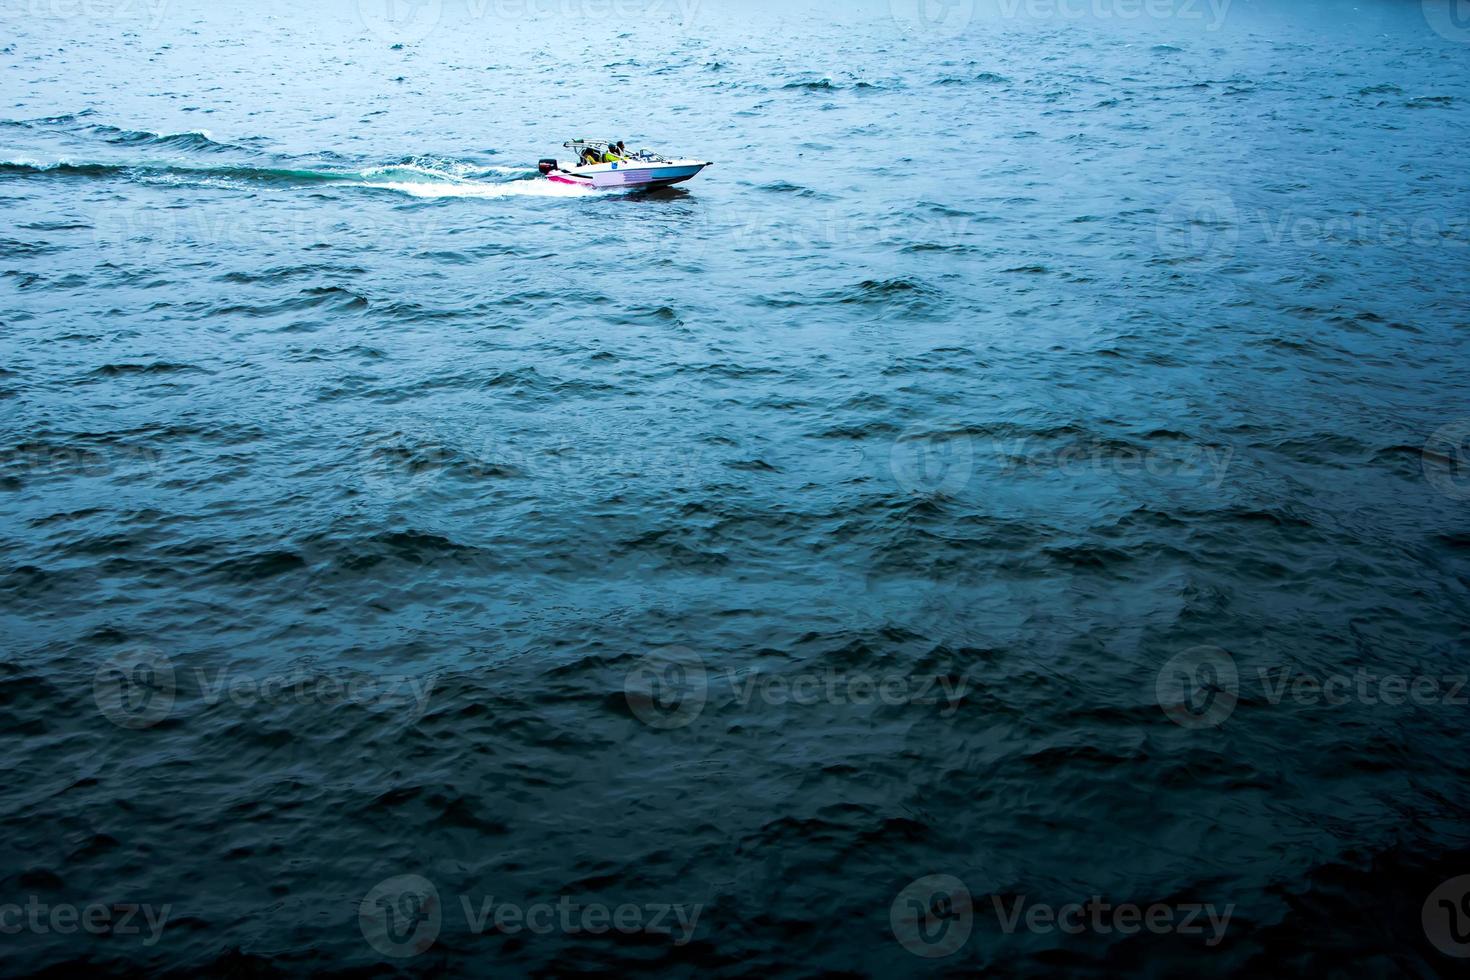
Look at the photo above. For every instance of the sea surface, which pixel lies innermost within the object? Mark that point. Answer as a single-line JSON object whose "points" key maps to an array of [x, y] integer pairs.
{"points": [[1030, 468]]}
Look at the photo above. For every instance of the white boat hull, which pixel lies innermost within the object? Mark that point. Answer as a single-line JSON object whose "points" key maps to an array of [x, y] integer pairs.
{"points": [[629, 174]]}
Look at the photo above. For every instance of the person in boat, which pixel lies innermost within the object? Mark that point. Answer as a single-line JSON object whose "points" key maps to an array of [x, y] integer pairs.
{"points": [[589, 156], [611, 155]]}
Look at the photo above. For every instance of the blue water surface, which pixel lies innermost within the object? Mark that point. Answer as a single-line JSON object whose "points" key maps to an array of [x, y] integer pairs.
{"points": [[935, 504]]}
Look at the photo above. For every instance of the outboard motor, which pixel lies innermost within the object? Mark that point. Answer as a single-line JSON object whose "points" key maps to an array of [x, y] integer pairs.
{"points": [[546, 167]]}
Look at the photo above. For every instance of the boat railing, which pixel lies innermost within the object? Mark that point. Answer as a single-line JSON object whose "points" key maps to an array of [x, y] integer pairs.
{"points": [[642, 156]]}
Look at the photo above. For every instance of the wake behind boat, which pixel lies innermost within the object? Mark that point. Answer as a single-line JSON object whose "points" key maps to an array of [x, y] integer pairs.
{"points": [[603, 166]]}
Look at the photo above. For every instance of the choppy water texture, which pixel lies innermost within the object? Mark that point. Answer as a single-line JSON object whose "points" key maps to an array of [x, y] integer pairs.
{"points": [[939, 472]]}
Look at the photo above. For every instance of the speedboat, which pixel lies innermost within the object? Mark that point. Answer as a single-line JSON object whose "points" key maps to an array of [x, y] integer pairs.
{"points": [[643, 169]]}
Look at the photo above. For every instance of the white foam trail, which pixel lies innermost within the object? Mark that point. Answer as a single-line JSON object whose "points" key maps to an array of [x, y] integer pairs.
{"points": [[410, 168], [470, 188], [188, 180], [416, 180]]}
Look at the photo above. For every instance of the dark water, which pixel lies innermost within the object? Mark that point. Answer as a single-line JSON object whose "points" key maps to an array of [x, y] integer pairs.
{"points": [[1033, 456]]}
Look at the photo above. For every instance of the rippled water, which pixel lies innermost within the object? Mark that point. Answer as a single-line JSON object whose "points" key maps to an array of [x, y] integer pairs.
{"points": [[1029, 465]]}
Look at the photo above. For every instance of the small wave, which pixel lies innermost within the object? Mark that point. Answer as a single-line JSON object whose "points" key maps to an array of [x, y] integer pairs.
{"points": [[906, 296], [649, 315], [919, 248], [944, 210], [157, 367], [199, 140], [14, 248], [194, 139], [24, 165], [61, 120], [55, 226], [824, 85], [871, 288], [786, 187]]}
